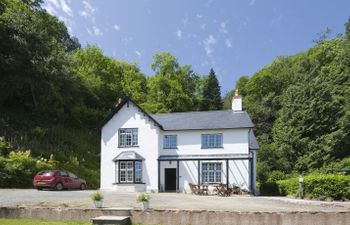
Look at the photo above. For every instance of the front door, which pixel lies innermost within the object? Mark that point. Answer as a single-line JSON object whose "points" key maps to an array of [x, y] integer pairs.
{"points": [[170, 179]]}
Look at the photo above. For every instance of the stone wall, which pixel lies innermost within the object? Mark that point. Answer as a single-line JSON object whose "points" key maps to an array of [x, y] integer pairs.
{"points": [[184, 217]]}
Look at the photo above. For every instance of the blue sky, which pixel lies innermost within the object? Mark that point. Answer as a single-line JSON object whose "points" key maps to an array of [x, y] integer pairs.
{"points": [[235, 37]]}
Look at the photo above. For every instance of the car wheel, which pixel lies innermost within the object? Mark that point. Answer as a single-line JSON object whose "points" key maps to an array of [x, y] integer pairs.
{"points": [[82, 186], [59, 187], [39, 188]]}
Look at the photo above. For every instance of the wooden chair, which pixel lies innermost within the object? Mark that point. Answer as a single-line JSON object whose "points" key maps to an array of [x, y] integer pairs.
{"points": [[194, 188], [205, 189]]}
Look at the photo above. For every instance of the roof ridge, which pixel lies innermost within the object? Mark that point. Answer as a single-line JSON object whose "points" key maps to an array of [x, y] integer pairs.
{"points": [[208, 111]]}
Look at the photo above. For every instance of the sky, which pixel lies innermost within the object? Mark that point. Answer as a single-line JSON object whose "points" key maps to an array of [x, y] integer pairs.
{"points": [[234, 37]]}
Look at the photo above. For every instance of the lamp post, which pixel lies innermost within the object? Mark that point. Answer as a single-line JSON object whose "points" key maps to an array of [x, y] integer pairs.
{"points": [[301, 180]]}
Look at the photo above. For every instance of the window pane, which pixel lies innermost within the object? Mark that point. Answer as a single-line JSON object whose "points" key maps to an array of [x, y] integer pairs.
{"points": [[128, 137], [170, 141], [211, 172], [211, 140]]}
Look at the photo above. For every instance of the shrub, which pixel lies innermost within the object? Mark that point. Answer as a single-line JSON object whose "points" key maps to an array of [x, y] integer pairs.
{"points": [[143, 197], [270, 187], [97, 196], [318, 185]]}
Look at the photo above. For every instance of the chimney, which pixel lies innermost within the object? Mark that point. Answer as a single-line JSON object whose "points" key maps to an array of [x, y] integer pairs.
{"points": [[237, 102]]}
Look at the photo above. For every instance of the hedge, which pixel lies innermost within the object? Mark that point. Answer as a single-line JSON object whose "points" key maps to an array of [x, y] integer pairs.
{"points": [[320, 186]]}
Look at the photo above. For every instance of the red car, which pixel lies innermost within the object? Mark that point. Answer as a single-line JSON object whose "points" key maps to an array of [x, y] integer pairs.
{"points": [[58, 179]]}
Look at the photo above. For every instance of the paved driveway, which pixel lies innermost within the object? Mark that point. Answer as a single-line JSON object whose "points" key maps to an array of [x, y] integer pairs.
{"points": [[30, 197]]}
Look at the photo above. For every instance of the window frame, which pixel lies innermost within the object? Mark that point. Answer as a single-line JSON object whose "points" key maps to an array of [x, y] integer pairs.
{"points": [[136, 171], [134, 139], [212, 138], [211, 170], [164, 142]]}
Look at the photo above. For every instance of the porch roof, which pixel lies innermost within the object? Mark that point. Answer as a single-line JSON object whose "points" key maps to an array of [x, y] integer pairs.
{"points": [[205, 157], [128, 155]]}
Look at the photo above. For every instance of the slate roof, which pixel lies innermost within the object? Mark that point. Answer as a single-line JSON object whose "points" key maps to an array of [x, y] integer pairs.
{"points": [[253, 143], [223, 119]]}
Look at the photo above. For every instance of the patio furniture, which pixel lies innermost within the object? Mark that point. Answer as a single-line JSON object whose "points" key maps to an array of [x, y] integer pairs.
{"points": [[194, 189], [204, 189], [223, 190]]}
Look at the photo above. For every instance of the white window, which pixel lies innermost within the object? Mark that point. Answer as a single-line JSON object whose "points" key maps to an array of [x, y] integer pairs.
{"points": [[211, 140], [126, 171], [170, 141], [128, 137], [138, 171], [211, 172]]}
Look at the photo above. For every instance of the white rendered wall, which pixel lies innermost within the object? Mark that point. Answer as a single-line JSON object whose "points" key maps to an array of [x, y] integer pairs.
{"points": [[235, 141], [189, 142], [130, 117]]}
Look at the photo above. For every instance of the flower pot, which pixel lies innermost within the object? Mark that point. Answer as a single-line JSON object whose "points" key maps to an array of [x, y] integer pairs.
{"points": [[98, 204], [144, 205]]}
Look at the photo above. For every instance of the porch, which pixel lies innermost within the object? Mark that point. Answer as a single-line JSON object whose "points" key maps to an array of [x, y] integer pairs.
{"points": [[177, 173]]}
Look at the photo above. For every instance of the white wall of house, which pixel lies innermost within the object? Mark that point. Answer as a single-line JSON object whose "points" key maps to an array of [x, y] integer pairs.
{"points": [[130, 117], [150, 146], [189, 142]]}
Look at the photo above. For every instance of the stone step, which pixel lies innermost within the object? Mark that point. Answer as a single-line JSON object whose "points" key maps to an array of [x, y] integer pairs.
{"points": [[104, 220]]}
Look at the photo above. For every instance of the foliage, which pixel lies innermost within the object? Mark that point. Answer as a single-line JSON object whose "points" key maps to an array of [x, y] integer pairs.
{"points": [[211, 94], [300, 107], [144, 197], [318, 185], [172, 88], [343, 164], [97, 196], [17, 169]]}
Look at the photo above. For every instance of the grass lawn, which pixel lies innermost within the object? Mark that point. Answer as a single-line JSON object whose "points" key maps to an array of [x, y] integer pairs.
{"points": [[40, 222]]}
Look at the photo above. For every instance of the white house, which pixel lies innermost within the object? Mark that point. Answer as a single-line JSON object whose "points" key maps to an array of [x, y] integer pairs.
{"points": [[166, 152]]}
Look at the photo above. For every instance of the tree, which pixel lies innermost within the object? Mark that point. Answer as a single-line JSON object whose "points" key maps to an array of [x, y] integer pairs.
{"points": [[211, 95], [172, 88]]}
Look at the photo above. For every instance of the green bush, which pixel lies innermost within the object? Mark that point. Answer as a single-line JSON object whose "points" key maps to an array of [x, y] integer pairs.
{"points": [[270, 187], [18, 169], [318, 185]]}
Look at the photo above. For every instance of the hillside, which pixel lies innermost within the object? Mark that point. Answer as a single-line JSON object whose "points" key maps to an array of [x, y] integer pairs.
{"points": [[300, 106]]}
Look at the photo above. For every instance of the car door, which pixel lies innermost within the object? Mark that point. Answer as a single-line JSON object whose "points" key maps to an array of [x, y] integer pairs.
{"points": [[75, 180], [66, 180]]}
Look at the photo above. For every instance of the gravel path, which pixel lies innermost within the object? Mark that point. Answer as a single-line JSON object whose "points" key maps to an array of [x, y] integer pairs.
{"points": [[30, 197]]}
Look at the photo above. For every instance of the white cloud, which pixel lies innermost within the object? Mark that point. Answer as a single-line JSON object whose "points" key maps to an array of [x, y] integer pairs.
{"points": [[208, 44], [65, 8], [223, 27], [228, 43], [202, 26], [95, 31], [61, 9], [50, 9], [199, 16], [252, 2], [179, 34], [88, 10], [138, 53], [116, 27], [53, 6]]}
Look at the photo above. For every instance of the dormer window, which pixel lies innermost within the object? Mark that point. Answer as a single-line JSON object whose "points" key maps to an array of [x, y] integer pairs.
{"points": [[128, 137]]}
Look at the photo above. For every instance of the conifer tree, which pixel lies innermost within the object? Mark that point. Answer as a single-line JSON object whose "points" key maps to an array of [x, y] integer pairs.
{"points": [[211, 96]]}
